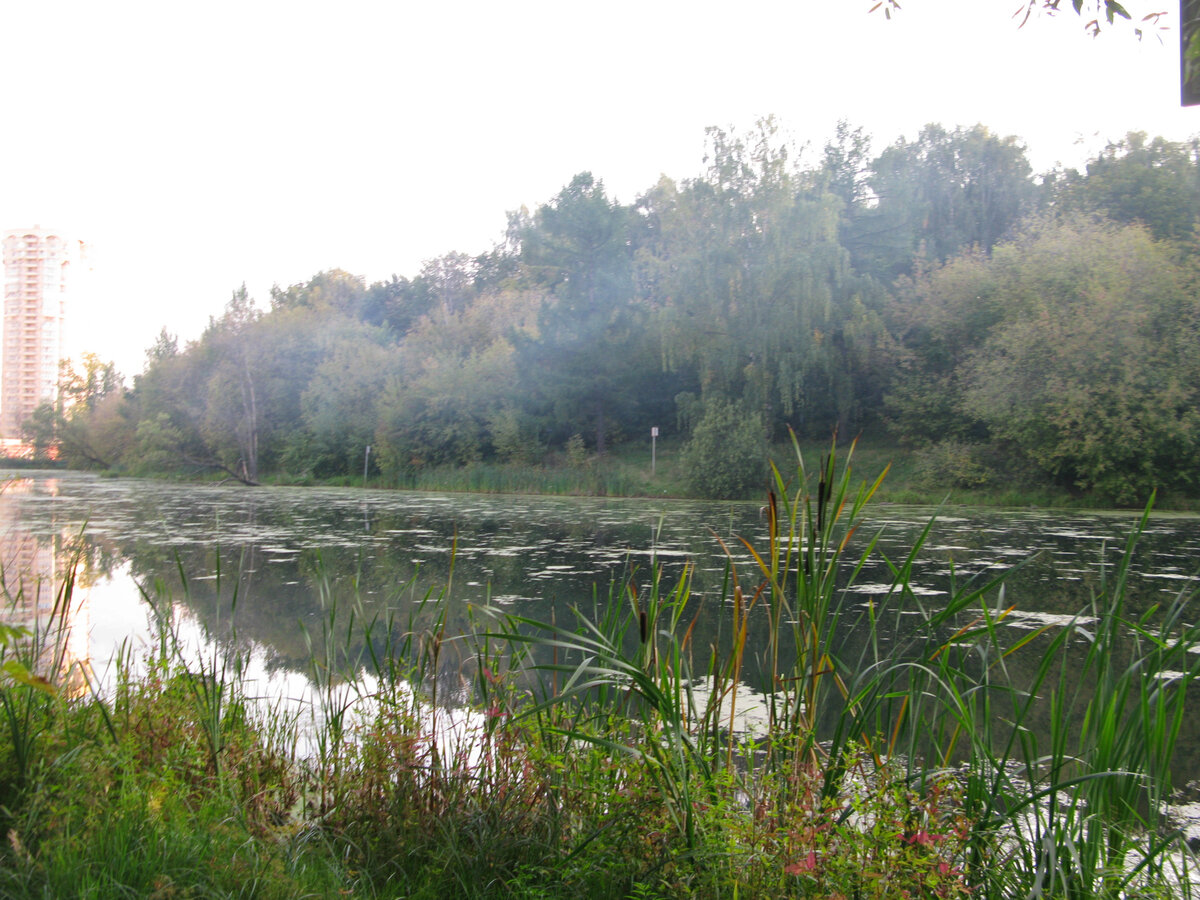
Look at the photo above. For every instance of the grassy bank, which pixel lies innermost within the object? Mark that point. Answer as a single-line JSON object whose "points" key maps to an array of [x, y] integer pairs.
{"points": [[605, 757], [957, 475]]}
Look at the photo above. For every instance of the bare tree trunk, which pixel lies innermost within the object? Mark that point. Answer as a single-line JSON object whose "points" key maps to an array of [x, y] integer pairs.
{"points": [[242, 476], [600, 444], [250, 413]]}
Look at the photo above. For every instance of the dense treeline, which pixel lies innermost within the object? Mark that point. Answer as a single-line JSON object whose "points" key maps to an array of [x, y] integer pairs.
{"points": [[938, 290]]}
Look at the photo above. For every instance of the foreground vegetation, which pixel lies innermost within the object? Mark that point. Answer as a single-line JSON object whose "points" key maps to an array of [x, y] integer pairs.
{"points": [[605, 757]]}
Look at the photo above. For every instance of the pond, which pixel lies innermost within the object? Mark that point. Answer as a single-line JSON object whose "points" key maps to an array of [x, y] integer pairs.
{"points": [[261, 568]]}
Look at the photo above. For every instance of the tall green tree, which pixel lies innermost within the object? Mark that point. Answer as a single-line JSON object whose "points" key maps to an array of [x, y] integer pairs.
{"points": [[233, 414], [232, 399], [846, 166], [944, 192], [451, 380], [332, 291], [1155, 182], [168, 401], [577, 371], [339, 405], [939, 317]]}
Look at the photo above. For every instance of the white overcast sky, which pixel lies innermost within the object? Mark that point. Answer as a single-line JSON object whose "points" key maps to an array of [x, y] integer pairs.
{"points": [[197, 146]]}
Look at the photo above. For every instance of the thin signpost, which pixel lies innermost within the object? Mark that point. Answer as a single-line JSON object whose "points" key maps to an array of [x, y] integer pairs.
{"points": [[1189, 51]]}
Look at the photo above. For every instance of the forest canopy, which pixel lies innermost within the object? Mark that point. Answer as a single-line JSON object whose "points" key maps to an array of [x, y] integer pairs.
{"points": [[935, 292]]}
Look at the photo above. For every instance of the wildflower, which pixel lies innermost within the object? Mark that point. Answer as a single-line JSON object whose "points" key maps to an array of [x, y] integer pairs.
{"points": [[805, 865], [923, 838]]}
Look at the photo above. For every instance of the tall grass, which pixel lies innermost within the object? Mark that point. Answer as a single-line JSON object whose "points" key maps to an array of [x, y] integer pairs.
{"points": [[1089, 795], [33, 657], [598, 479]]}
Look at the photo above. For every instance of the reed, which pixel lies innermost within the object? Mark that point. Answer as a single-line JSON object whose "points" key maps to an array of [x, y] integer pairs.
{"points": [[1091, 794], [34, 665], [614, 477]]}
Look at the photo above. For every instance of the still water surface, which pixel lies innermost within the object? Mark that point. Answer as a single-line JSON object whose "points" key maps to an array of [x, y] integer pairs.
{"points": [[286, 554]]}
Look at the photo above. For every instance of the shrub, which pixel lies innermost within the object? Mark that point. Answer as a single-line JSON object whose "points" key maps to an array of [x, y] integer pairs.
{"points": [[510, 441], [577, 455], [726, 455], [954, 464]]}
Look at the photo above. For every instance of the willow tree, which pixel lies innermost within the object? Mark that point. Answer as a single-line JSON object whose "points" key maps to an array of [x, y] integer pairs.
{"points": [[752, 287]]}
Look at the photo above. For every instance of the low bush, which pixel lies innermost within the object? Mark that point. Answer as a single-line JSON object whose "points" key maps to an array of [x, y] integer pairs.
{"points": [[725, 458]]}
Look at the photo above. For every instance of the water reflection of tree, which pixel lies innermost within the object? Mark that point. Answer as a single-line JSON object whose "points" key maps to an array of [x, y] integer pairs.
{"points": [[314, 562], [277, 592]]}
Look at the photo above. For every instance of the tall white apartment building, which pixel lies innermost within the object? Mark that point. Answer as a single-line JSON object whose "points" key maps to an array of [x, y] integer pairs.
{"points": [[39, 266]]}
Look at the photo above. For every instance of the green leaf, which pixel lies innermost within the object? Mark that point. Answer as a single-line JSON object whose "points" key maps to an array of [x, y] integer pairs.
{"points": [[10, 634], [20, 674]]}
